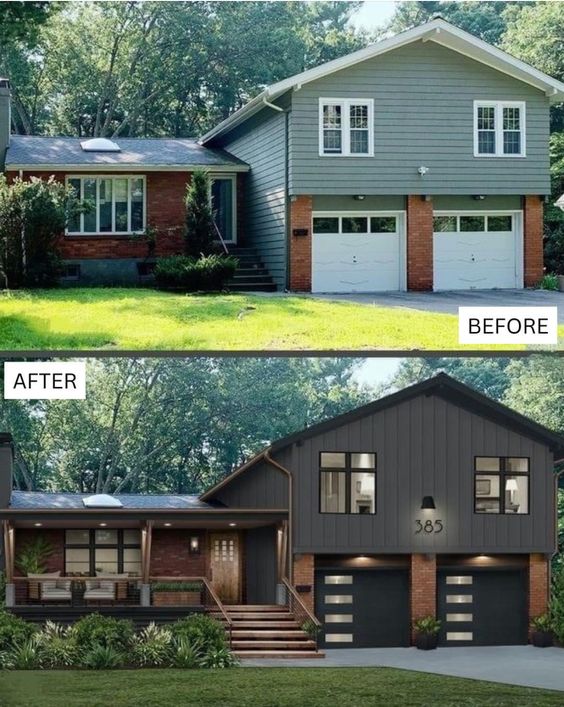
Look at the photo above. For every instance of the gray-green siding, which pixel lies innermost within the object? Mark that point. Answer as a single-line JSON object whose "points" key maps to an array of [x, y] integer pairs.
{"points": [[423, 115], [424, 446], [262, 144]]}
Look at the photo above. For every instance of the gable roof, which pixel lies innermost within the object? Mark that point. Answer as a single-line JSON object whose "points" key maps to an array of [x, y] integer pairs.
{"points": [[437, 30], [25, 152], [65, 501]]}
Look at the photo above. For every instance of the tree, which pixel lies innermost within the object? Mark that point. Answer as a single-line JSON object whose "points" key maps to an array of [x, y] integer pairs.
{"points": [[21, 21], [200, 232]]}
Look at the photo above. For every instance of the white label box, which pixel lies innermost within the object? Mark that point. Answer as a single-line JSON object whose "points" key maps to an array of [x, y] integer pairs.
{"points": [[508, 325], [45, 380]]}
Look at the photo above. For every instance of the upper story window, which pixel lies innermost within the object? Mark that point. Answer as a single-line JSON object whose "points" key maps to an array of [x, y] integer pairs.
{"points": [[499, 129], [501, 485], [346, 127], [117, 205], [347, 482]]}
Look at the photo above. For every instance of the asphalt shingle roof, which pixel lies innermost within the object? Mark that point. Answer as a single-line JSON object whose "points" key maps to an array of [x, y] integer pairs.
{"points": [[40, 500], [150, 152]]}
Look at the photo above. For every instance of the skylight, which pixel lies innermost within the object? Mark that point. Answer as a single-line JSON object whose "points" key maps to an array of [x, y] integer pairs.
{"points": [[100, 144], [102, 500]]}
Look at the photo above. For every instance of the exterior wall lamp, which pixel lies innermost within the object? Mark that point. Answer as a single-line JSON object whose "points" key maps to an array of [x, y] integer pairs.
{"points": [[359, 197], [428, 503], [194, 545]]}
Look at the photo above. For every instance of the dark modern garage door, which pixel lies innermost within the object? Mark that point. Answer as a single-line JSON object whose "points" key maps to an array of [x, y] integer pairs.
{"points": [[363, 609], [482, 608]]}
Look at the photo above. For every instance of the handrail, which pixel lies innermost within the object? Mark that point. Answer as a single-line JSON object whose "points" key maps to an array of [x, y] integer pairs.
{"points": [[76, 578], [296, 596], [223, 243]]}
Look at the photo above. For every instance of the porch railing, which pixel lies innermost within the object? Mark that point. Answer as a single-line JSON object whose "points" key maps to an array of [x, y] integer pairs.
{"points": [[72, 590], [304, 616]]}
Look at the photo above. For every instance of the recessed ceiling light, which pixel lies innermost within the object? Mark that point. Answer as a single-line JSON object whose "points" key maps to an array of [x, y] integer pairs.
{"points": [[232, 525], [167, 525], [38, 525], [103, 525]]}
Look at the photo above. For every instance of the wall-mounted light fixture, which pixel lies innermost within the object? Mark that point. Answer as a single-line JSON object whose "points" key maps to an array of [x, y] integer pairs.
{"points": [[559, 203], [422, 171], [359, 197], [479, 197], [428, 503], [194, 545]]}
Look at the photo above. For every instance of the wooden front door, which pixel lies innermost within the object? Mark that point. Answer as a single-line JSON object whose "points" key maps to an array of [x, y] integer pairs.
{"points": [[225, 563]]}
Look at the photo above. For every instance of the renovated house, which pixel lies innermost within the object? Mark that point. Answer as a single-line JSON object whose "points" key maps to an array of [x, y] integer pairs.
{"points": [[434, 500], [420, 162]]}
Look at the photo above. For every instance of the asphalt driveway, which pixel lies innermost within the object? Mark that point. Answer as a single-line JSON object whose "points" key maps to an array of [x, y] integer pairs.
{"points": [[515, 665], [449, 302]]}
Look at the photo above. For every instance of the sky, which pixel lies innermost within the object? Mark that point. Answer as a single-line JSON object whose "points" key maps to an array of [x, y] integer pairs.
{"points": [[377, 369], [373, 14]]}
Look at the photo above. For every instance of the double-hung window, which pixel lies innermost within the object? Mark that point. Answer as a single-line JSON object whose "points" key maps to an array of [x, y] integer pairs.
{"points": [[501, 485], [499, 129], [346, 127], [347, 482], [115, 205]]}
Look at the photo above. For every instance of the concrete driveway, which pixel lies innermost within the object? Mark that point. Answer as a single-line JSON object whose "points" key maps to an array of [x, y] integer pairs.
{"points": [[449, 302], [514, 665]]}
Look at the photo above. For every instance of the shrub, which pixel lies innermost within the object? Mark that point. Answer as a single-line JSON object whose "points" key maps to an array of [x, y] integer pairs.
{"points": [[542, 623], [200, 232], [2, 589], [557, 605], [218, 658], [548, 282], [152, 647], [176, 587], [428, 625], [14, 631], [26, 655], [185, 654], [311, 628], [58, 646], [102, 658], [104, 631], [200, 630], [206, 273]]}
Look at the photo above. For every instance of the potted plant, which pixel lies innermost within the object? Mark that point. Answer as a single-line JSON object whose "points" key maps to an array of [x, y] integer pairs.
{"points": [[176, 593], [427, 633], [541, 631], [32, 560]]}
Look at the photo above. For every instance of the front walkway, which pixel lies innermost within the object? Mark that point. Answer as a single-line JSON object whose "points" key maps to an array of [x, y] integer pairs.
{"points": [[516, 665]]}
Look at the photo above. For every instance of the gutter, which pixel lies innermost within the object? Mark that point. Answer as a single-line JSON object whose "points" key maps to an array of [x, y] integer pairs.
{"points": [[288, 473]]}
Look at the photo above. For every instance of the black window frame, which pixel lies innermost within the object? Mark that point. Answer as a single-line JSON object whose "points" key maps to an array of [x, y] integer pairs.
{"points": [[92, 545], [348, 470], [503, 473]]}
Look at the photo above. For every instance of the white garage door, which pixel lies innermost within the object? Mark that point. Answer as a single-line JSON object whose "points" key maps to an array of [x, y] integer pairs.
{"points": [[357, 252], [476, 251]]}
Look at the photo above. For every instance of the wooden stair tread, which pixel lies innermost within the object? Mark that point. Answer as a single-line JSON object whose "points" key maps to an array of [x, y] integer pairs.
{"points": [[279, 654], [266, 625], [306, 643], [258, 633]]}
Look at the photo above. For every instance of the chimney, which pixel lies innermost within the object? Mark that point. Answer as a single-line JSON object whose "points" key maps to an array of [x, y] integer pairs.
{"points": [[5, 120], [6, 460]]}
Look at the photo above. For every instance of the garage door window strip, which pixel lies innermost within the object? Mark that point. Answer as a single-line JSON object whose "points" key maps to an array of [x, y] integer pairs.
{"points": [[501, 485], [357, 223], [347, 482], [502, 223]]}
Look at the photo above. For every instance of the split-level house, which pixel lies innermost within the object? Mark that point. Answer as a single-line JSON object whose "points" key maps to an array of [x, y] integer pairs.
{"points": [[434, 500], [420, 162]]}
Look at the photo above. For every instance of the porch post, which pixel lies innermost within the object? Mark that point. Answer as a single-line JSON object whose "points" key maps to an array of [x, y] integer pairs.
{"points": [[146, 540], [281, 550], [9, 548]]}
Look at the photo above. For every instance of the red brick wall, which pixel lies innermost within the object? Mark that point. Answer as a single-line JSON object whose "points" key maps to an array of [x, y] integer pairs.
{"points": [[54, 563], [538, 585], [300, 246], [423, 586], [532, 239], [304, 574], [171, 557], [419, 243]]}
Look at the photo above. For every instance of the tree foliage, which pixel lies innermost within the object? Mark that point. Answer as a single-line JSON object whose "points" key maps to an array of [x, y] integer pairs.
{"points": [[200, 233]]}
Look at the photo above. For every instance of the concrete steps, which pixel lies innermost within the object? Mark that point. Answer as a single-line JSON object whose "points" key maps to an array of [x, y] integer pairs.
{"points": [[251, 275]]}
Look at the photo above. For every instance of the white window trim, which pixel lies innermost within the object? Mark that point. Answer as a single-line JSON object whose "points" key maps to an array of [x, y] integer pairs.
{"points": [[499, 106], [345, 104], [233, 179], [97, 177]]}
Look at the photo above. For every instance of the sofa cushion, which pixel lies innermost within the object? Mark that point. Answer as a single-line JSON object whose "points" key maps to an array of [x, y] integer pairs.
{"points": [[64, 584], [92, 584], [108, 585]]}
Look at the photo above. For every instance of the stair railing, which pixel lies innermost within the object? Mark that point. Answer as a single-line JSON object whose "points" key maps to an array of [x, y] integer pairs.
{"points": [[223, 243], [304, 615]]}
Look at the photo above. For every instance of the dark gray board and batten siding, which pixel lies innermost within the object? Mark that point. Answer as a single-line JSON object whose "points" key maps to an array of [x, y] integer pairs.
{"points": [[261, 142], [260, 565], [423, 115], [424, 446], [261, 486]]}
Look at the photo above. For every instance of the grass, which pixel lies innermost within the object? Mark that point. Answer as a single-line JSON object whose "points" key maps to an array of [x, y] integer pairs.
{"points": [[143, 319], [264, 687]]}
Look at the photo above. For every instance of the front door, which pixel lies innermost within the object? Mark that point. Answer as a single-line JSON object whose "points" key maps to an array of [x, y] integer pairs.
{"points": [[224, 205], [225, 566]]}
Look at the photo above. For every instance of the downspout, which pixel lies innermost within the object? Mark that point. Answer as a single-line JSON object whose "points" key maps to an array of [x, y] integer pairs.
{"points": [[272, 105], [556, 486], [287, 197], [283, 469]]}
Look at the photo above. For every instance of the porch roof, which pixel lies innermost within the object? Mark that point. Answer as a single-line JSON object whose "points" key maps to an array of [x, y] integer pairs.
{"points": [[39, 500]]}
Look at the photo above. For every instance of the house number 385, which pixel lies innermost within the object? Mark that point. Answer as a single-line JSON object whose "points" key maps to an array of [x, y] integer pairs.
{"points": [[428, 526]]}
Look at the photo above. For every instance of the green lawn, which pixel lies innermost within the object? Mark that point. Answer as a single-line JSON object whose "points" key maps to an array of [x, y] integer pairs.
{"points": [[260, 687], [98, 318]]}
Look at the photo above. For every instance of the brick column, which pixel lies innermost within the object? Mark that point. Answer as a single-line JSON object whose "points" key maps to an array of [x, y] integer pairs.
{"points": [[300, 246], [419, 243], [538, 585], [304, 574], [532, 239], [423, 587]]}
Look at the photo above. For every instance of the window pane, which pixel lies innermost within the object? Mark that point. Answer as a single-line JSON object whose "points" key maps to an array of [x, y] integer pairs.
{"points": [[363, 461], [472, 223], [487, 463], [89, 186], [131, 537], [74, 223], [333, 460], [338, 618], [517, 464], [516, 494], [459, 579], [459, 617], [459, 636], [106, 560], [511, 118], [486, 118], [355, 224], [339, 579], [359, 117], [500, 223], [363, 492], [332, 116], [338, 638], [326, 225], [77, 537], [105, 205], [359, 142], [120, 188], [338, 598], [132, 561], [138, 198], [459, 598], [383, 224], [332, 123], [442, 224], [486, 143], [511, 143], [77, 561], [332, 141], [487, 494], [332, 487], [106, 537]]}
